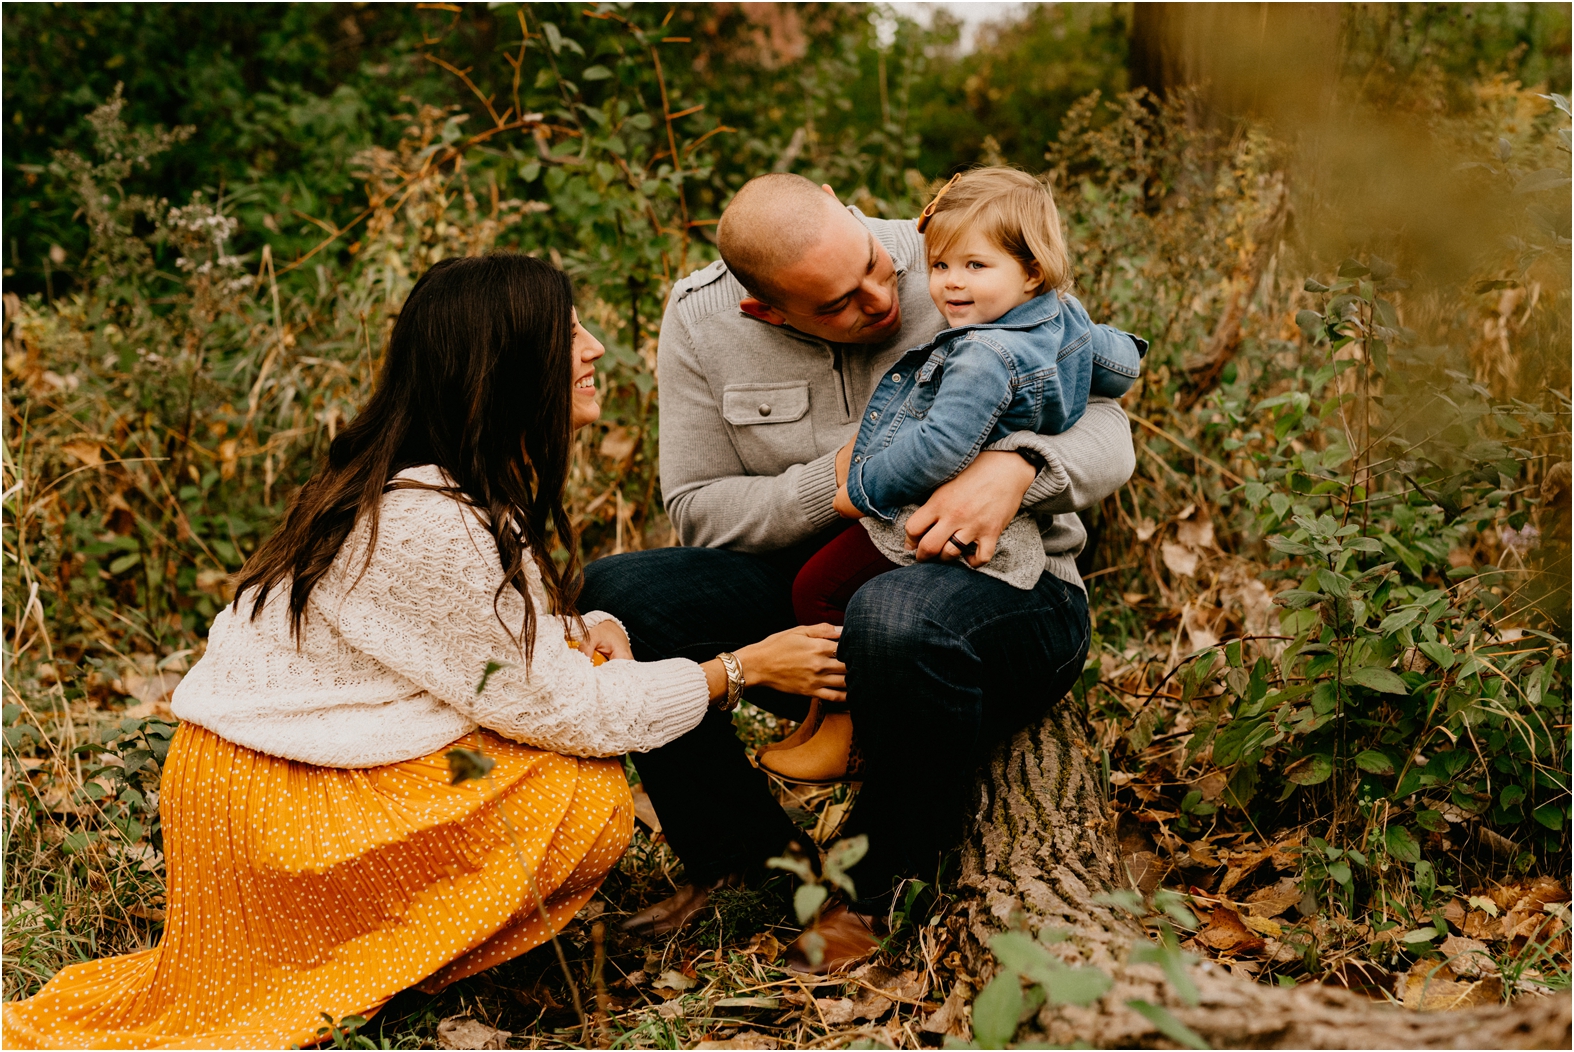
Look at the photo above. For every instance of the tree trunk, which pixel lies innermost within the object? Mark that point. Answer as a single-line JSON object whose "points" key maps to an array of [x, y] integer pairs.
{"points": [[1039, 853]]}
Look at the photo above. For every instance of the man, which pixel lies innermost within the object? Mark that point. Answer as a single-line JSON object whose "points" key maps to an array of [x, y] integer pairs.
{"points": [[765, 363]]}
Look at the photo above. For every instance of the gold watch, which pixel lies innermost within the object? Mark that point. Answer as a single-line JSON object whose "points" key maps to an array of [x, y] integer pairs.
{"points": [[734, 667]]}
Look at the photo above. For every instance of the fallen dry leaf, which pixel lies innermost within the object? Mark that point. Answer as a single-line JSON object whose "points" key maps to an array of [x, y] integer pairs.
{"points": [[1263, 925], [1227, 933], [1362, 977], [836, 1011], [90, 454], [645, 811], [673, 980], [1468, 958], [949, 1017], [1428, 987], [764, 945], [742, 1039], [1274, 900], [1480, 926], [463, 1032], [1195, 533], [1179, 558]]}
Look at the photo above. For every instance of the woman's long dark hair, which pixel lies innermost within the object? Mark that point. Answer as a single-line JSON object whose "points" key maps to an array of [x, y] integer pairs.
{"points": [[477, 381]]}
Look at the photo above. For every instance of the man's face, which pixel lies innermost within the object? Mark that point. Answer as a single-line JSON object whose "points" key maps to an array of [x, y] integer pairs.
{"points": [[843, 289]]}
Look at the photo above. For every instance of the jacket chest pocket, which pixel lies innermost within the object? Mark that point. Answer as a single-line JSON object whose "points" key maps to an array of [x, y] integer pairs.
{"points": [[925, 385], [771, 429]]}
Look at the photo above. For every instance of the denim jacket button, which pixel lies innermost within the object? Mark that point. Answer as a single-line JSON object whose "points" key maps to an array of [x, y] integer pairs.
{"points": [[875, 415], [896, 378], [765, 409], [859, 459]]}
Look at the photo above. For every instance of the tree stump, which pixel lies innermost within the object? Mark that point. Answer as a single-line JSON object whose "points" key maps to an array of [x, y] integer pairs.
{"points": [[1037, 856]]}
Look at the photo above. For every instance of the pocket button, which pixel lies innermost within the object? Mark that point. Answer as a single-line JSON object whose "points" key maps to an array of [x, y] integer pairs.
{"points": [[765, 409]]}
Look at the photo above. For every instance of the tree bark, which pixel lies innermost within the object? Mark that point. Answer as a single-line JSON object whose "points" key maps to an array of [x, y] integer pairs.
{"points": [[1038, 854]]}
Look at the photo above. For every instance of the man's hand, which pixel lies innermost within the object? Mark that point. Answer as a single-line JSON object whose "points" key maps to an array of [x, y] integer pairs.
{"points": [[608, 640], [843, 503], [976, 507]]}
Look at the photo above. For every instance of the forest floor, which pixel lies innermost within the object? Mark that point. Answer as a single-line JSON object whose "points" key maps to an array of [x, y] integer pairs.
{"points": [[719, 983]]}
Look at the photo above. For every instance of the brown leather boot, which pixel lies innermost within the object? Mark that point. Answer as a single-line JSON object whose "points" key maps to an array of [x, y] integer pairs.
{"points": [[802, 733], [830, 755]]}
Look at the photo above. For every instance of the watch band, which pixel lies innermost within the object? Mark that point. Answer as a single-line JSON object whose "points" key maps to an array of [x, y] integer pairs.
{"points": [[734, 667]]}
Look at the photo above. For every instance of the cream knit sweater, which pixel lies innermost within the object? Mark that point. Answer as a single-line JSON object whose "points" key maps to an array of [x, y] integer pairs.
{"points": [[388, 665]]}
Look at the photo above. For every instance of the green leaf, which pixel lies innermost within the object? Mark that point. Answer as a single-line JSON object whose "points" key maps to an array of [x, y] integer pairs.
{"points": [[1549, 815], [1280, 504], [1374, 761], [1380, 679], [1313, 285], [124, 563], [77, 840], [530, 172], [1402, 845], [466, 765], [1340, 871], [1352, 269], [1310, 770], [1511, 795], [1077, 986], [1426, 934], [996, 1011], [1545, 179], [1167, 1024], [596, 73], [1023, 955], [554, 36], [807, 899], [1432, 821]]}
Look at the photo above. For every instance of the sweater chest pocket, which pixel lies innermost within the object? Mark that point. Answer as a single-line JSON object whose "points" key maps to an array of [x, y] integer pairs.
{"points": [[770, 424]]}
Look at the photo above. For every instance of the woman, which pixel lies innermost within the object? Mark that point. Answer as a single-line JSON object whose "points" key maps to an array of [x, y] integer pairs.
{"points": [[318, 858]]}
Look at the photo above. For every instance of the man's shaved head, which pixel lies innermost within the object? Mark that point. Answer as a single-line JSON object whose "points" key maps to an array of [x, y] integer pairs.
{"points": [[771, 223]]}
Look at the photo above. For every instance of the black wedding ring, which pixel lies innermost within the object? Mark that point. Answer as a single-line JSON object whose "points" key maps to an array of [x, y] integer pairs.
{"points": [[970, 548]]}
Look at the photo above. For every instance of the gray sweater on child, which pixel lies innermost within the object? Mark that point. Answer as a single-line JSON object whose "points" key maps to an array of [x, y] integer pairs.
{"points": [[752, 416]]}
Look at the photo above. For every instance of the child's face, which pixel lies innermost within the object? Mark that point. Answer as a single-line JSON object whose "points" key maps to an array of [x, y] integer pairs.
{"points": [[975, 281]]}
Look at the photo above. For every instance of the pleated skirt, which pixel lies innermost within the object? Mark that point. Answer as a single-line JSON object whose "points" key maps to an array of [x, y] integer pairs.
{"points": [[295, 890]]}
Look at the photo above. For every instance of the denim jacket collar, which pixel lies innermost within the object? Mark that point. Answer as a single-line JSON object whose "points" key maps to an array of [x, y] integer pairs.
{"points": [[1029, 315]]}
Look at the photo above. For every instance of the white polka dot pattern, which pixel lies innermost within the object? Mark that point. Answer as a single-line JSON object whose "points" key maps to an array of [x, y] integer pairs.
{"points": [[296, 889]]}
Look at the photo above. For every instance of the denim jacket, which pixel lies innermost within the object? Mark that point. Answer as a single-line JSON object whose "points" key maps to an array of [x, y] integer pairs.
{"points": [[1029, 370]]}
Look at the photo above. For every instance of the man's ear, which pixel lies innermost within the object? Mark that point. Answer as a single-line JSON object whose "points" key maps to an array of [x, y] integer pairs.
{"points": [[764, 311]]}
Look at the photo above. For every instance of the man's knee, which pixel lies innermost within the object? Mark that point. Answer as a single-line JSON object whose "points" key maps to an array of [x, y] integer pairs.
{"points": [[907, 607]]}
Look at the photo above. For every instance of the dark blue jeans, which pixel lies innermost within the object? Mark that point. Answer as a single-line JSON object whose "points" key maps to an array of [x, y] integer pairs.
{"points": [[942, 662]]}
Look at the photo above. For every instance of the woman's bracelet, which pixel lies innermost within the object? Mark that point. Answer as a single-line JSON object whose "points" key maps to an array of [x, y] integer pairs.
{"points": [[734, 667]]}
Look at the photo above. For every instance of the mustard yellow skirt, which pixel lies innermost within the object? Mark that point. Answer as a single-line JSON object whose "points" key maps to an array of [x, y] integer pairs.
{"points": [[296, 890]]}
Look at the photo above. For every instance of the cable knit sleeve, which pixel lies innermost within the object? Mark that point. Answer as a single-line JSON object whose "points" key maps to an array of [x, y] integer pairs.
{"points": [[427, 606]]}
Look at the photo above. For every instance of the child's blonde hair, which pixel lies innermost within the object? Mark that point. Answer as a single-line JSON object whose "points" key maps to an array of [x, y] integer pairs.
{"points": [[1011, 208]]}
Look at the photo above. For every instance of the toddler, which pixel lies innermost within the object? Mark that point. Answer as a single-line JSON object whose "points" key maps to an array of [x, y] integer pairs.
{"points": [[1018, 353]]}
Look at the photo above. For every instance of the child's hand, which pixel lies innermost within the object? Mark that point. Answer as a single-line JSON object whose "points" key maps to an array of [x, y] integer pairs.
{"points": [[844, 504], [844, 461], [608, 640]]}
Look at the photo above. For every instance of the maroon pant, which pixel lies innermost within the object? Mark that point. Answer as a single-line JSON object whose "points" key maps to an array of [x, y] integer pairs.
{"points": [[825, 585]]}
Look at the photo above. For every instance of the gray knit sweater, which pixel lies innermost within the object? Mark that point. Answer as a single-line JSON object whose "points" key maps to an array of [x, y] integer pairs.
{"points": [[752, 416]]}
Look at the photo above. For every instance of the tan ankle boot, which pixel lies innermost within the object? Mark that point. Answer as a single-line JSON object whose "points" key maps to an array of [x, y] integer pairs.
{"points": [[830, 755], [802, 733]]}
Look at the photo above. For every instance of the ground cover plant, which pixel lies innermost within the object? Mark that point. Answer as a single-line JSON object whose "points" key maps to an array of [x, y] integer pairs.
{"points": [[1323, 732]]}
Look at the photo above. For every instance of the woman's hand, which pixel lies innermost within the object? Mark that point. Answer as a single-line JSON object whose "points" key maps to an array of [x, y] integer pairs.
{"points": [[607, 639], [798, 661]]}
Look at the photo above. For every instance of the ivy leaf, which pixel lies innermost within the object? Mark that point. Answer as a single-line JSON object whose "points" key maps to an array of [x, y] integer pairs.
{"points": [[1380, 679], [996, 1011]]}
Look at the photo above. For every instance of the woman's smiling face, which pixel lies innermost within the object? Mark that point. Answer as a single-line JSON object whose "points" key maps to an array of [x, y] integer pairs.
{"points": [[587, 406]]}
